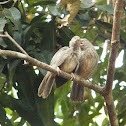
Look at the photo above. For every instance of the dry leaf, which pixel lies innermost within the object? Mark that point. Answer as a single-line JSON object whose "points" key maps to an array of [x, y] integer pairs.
{"points": [[73, 7]]}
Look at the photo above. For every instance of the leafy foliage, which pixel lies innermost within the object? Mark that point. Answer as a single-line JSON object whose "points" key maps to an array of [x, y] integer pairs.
{"points": [[39, 27]]}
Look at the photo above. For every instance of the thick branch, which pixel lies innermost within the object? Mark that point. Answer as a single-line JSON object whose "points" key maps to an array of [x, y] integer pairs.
{"points": [[5, 2], [42, 65], [111, 67], [115, 44], [111, 110]]}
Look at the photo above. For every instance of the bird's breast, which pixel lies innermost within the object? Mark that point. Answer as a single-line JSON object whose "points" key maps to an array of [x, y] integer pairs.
{"points": [[88, 62]]}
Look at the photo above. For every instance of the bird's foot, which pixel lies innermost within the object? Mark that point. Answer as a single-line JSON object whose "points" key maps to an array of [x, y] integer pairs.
{"points": [[72, 76]]}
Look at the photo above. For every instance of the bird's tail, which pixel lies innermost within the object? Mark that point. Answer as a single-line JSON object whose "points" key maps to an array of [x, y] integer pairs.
{"points": [[77, 93], [46, 85]]}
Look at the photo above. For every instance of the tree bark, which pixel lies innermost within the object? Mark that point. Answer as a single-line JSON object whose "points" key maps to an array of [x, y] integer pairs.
{"points": [[111, 66]]}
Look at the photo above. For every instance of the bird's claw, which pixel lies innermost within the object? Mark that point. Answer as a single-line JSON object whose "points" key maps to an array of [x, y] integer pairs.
{"points": [[72, 77], [58, 71]]}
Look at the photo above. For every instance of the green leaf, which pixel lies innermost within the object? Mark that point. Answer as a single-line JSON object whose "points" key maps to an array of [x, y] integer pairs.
{"points": [[12, 69], [104, 25], [44, 56], [42, 3], [2, 43], [14, 15], [2, 64], [105, 122], [41, 112], [2, 24], [4, 121], [83, 19], [66, 35], [86, 4], [71, 122], [54, 10], [23, 108], [107, 8], [18, 37], [100, 2]]}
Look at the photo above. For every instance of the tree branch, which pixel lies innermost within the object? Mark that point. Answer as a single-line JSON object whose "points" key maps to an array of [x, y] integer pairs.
{"points": [[18, 46], [115, 44], [111, 66], [42, 65], [111, 110], [5, 2]]}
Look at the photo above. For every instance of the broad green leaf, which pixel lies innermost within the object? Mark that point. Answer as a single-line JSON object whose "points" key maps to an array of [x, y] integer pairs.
{"points": [[100, 2], [2, 24], [104, 25], [4, 121], [105, 122], [71, 122], [14, 15], [54, 10], [41, 111], [2, 64], [2, 43], [44, 56], [12, 69], [42, 3], [66, 35], [18, 37], [8, 111], [77, 28], [83, 19], [107, 8], [86, 4]]}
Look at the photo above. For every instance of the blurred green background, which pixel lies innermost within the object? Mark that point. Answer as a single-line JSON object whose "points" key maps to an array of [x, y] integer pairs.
{"points": [[41, 29]]}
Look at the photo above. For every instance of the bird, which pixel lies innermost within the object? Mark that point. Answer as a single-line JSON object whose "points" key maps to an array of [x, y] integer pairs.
{"points": [[65, 59], [88, 60]]}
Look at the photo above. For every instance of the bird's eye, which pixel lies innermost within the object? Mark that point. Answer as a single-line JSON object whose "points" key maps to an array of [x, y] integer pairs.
{"points": [[81, 43]]}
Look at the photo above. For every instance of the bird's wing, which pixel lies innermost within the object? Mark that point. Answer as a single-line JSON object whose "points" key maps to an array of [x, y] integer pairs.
{"points": [[60, 56]]}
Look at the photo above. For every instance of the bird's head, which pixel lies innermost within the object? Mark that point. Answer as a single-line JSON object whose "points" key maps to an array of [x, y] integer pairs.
{"points": [[75, 42], [84, 43]]}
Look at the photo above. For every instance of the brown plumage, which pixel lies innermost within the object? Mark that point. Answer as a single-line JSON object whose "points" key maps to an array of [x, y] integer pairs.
{"points": [[88, 60], [66, 59]]}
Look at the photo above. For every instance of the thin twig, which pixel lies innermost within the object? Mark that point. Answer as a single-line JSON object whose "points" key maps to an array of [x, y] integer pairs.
{"points": [[15, 3], [18, 46], [47, 67], [5, 2], [3, 36], [23, 10]]}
